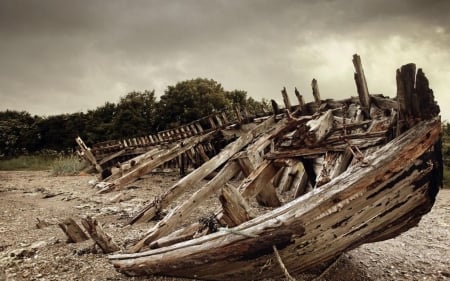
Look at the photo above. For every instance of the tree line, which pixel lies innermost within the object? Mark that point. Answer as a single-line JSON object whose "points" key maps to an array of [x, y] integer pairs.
{"points": [[136, 114]]}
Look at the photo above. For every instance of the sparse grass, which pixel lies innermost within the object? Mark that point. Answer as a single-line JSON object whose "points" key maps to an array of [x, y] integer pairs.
{"points": [[67, 165], [58, 163], [27, 163]]}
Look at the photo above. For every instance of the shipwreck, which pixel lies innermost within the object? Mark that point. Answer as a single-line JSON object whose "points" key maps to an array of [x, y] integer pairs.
{"points": [[332, 175]]}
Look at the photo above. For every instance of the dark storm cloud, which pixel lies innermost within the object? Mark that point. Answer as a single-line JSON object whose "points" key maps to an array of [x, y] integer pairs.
{"points": [[65, 56]]}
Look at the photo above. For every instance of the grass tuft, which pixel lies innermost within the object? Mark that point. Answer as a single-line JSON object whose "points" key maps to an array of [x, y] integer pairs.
{"points": [[58, 163], [27, 163], [67, 165]]}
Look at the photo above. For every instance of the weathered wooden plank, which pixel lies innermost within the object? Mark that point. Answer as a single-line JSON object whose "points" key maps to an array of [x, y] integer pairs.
{"points": [[73, 231], [319, 129], [147, 167], [301, 187], [235, 207], [219, 256], [316, 92], [177, 215], [301, 101], [150, 210], [287, 102], [87, 154], [101, 238], [361, 85]]}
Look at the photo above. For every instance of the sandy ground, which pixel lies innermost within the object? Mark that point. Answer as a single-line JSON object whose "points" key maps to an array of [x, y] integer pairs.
{"points": [[31, 253]]}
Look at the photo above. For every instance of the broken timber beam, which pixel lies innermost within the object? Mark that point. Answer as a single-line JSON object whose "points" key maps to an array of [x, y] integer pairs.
{"points": [[287, 102], [319, 129], [148, 166], [316, 92], [73, 231], [87, 153], [361, 85], [176, 190], [101, 238], [177, 215], [235, 207]]}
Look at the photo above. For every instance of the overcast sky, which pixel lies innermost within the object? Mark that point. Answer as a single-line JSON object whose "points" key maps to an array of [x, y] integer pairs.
{"points": [[69, 56]]}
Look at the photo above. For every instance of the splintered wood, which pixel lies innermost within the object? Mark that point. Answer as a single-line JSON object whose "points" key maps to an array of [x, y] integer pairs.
{"points": [[322, 178]]}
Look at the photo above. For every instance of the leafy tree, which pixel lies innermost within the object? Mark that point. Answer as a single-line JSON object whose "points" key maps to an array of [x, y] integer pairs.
{"points": [[135, 115], [190, 100], [99, 126], [18, 133]]}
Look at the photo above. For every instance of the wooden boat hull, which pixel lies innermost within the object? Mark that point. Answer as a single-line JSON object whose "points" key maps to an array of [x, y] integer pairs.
{"points": [[374, 200]]}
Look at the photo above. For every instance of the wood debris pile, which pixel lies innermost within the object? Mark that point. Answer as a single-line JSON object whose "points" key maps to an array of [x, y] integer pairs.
{"points": [[356, 170]]}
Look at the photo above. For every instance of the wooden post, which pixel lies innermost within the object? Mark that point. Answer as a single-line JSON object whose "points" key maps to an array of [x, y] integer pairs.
{"points": [[211, 122], [86, 152], [316, 93], [301, 101], [239, 117], [101, 238], [73, 231], [287, 102], [361, 85]]}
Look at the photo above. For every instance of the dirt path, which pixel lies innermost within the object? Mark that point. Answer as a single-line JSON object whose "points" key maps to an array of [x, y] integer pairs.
{"points": [[29, 253]]}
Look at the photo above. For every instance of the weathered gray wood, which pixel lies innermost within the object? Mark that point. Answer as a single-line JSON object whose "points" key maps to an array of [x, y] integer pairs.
{"points": [[73, 231], [148, 166], [101, 238], [283, 185], [201, 151], [235, 208], [342, 163], [350, 210], [328, 166], [361, 85], [405, 77], [287, 102], [301, 101], [176, 190], [268, 196], [316, 92], [300, 189], [319, 129], [425, 97], [87, 154], [134, 162], [177, 215]]}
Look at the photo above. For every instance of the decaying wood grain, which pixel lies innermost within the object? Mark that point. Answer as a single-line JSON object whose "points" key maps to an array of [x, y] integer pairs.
{"points": [[362, 214], [361, 85], [235, 207], [150, 210], [73, 231], [316, 92], [362, 169], [318, 129], [101, 238], [286, 100]]}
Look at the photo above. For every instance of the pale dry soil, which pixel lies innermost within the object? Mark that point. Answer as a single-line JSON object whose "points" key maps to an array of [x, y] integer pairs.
{"points": [[31, 253]]}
